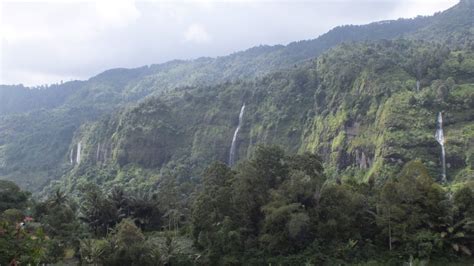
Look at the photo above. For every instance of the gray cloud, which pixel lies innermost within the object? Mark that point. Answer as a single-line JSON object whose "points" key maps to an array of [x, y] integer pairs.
{"points": [[44, 42]]}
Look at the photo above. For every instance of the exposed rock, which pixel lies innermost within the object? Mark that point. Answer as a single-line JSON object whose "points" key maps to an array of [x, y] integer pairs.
{"points": [[352, 131], [363, 160]]}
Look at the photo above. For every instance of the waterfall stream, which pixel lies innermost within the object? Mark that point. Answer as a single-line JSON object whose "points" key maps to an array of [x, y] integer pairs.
{"points": [[78, 153], [440, 138], [71, 156], [236, 132], [97, 156]]}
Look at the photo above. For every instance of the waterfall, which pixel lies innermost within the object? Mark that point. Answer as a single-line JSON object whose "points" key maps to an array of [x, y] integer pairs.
{"points": [[105, 153], [78, 153], [97, 156], [417, 85], [440, 138], [71, 156], [236, 132]]}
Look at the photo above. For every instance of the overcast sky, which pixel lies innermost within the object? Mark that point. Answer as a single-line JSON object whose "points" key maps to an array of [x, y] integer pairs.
{"points": [[46, 42]]}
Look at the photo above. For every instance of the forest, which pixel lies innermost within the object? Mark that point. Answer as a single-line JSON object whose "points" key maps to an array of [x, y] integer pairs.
{"points": [[38, 131], [274, 208], [354, 148]]}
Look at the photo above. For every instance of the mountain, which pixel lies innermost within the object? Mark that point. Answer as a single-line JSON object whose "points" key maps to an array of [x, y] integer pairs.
{"points": [[357, 106], [453, 26], [344, 101]]}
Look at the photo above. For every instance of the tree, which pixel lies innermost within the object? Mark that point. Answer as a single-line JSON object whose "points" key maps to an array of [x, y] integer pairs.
{"points": [[121, 202], [459, 233], [214, 215], [340, 214], [125, 245], [11, 197], [255, 178], [19, 245], [97, 211], [58, 217], [270, 163], [169, 201], [305, 179], [412, 209], [286, 226], [388, 211], [144, 210]]}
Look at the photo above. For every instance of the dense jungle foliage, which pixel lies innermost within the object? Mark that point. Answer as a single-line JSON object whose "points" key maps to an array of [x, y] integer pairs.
{"points": [[32, 120], [272, 209], [357, 106], [337, 160]]}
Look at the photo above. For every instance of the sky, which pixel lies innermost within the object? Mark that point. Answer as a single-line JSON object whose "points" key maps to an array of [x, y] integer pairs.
{"points": [[44, 42]]}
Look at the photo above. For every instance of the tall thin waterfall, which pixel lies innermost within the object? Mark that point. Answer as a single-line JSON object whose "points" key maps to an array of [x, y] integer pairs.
{"points": [[440, 138], [78, 153], [236, 132], [71, 156], [97, 156]]}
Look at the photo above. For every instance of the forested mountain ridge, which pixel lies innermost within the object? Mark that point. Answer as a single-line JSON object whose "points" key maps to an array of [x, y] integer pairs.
{"points": [[452, 26], [358, 106], [27, 135], [356, 148]]}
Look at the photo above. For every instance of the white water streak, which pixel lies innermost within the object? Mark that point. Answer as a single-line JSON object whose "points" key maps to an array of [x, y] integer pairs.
{"points": [[78, 153], [236, 132], [97, 156], [71, 156], [440, 138]]}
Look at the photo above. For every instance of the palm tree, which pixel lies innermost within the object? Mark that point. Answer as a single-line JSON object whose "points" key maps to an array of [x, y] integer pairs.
{"points": [[91, 251], [58, 198]]}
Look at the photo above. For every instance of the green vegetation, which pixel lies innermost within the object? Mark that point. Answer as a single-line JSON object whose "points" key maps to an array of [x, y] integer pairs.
{"points": [[272, 209], [354, 178], [368, 123], [312, 88]]}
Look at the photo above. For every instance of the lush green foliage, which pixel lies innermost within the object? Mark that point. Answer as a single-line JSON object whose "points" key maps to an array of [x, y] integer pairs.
{"points": [[357, 106], [282, 209], [38, 131], [272, 209], [11, 197], [151, 187]]}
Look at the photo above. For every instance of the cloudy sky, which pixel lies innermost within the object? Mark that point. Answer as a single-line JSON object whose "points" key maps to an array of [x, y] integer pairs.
{"points": [[49, 41]]}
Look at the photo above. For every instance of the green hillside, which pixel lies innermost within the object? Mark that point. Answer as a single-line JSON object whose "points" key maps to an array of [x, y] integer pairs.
{"points": [[357, 106], [274, 67], [336, 157]]}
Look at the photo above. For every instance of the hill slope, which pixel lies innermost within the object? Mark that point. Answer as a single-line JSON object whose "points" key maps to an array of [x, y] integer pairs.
{"points": [[453, 27], [358, 106], [313, 106]]}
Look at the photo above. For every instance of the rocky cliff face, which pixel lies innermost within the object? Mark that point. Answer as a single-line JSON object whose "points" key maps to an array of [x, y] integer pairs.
{"points": [[365, 107], [357, 106]]}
